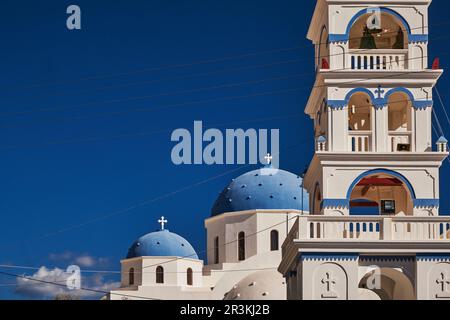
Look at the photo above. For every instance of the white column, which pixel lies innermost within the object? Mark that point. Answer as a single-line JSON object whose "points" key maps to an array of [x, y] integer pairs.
{"points": [[381, 133]]}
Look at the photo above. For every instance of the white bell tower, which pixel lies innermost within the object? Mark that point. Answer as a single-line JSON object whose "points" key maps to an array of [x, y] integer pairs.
{"points": [[372, 109]]}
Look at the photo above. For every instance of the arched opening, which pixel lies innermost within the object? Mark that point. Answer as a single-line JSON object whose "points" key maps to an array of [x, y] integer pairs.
{"points": [[131, 276], [159, 274], [360, 122], [216, 250], [189, 277], [317, 200], [381, 193], [274, 240], [323, 49], [399, 122], [241, 246], [378, 30], [386, 284]]}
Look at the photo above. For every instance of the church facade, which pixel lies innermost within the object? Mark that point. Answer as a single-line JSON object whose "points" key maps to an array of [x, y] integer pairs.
{"points": [[363, 223]]}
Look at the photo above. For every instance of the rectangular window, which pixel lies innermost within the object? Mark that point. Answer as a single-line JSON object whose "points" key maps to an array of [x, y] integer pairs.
{"points": [[387, 206], [216, 250]]}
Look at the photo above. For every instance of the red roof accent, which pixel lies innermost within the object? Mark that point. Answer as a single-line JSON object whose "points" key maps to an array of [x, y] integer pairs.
{"points": [[380, 182]]}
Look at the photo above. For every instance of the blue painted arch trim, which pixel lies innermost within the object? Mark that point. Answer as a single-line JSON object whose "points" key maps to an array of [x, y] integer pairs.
{"points": [[399, 89], [382, 102], [358, 90], [411, 37], [385, 171], [417, 104]]}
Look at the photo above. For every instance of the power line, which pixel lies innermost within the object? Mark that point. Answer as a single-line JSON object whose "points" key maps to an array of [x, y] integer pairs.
{"points": [[145, 133], [442, 104], [228, 85], [142, 133], [152, 200], [88, 271], [226, 243], [147, 109], [65, 286], [208, 61], [165, 94], [357, 51]]}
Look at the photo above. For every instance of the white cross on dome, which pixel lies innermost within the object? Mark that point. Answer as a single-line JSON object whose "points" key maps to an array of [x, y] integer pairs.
{"points": [[162, 221]]}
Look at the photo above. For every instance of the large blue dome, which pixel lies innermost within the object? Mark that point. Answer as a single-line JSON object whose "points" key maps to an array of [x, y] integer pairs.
{"points": [[162, 244], [266, 188]]}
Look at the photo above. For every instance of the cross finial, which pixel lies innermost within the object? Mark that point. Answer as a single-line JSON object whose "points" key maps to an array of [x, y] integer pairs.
{"points": [[162, 221], [268, 158], [379, 91]]}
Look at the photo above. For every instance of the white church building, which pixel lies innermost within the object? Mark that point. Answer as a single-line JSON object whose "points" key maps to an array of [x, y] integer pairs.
{"points": [[364, 221]]}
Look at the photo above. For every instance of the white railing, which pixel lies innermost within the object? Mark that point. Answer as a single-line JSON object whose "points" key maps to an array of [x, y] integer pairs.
{"points": [[360, 141], [396, 138], [370, 228], [405, 229], [378, 59]]}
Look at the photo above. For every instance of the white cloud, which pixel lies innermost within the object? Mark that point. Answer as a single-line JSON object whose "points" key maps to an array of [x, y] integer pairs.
{"points": [[32, 289], [82, 260], [52, 282], [85, 261]]}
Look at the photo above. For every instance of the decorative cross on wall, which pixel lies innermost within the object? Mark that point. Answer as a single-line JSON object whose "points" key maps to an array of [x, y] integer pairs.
{"points": [[328, 281], [443, 281], [162, 221], [379, 91]]}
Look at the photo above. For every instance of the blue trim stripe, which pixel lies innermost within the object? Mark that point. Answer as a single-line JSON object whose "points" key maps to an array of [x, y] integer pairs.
{"points": [[337, 38], [337, 104], [423, 104], [433, 256], [418, 38], [329, 256], [426, 203], [384, 258], [335, 203]]}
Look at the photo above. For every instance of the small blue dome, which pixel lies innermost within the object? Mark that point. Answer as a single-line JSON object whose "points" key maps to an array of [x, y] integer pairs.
{"points": [[162, 244], [266, 188]]}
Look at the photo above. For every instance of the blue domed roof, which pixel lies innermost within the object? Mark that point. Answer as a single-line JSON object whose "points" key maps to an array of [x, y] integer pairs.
{"points": [[266, 188], [162, 244]]}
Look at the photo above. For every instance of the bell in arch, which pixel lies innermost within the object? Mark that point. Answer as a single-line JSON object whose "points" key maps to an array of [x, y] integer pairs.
{"points": [[367, 40]]}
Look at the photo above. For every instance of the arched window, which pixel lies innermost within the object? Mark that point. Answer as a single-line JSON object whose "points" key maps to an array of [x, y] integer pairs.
{"points": [[399, 122], [241, 246], [189, 278], [131, 276], [360, 112], [274, 245], [216, 250], [317, 200], [386, 32], [159, 274]]}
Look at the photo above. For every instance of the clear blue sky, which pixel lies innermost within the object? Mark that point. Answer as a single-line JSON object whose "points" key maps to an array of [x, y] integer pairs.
{"points": [[75, 154]]}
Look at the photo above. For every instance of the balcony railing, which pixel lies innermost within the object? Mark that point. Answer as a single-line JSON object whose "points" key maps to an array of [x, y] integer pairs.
{"points": [[360, 141], [369, 228], [378, 59], [403, 138]]}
